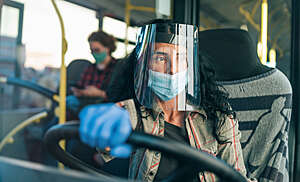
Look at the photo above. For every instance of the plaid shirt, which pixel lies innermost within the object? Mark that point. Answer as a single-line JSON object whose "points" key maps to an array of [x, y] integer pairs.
{"points": [[99, 78]]}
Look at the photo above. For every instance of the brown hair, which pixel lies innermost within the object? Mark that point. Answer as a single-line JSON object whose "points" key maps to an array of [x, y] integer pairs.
{"points": [[105, 39]]}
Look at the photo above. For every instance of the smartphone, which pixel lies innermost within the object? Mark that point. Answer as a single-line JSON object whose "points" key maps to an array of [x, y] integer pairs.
{"points": [[77, 86]]}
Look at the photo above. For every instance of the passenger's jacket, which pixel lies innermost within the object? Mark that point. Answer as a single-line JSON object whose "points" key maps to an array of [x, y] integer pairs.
{"points": [[144, 162]]}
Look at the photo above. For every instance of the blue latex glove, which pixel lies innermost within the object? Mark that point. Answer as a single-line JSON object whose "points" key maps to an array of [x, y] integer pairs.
{"points": [[72, 103], [106, 125]]}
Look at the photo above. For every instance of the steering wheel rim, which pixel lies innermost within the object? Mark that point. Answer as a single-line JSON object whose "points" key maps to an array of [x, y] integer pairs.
{"points": [[196, 160]]}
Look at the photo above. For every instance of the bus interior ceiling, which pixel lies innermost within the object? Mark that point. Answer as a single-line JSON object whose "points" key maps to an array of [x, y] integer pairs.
{"points": [[232, 14], [116, 8]]}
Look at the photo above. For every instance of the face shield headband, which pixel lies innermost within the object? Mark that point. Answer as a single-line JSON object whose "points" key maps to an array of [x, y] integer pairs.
{"points": [[167, 66]]}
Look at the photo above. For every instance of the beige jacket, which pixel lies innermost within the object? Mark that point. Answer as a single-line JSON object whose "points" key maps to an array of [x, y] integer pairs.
{"points": [[144, 162]]}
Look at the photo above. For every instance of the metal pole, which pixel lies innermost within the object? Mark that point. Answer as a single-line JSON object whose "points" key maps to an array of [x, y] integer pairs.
{"points": [[186, 11], [196, 13], [264, 31], [179, 10], [295, 67], [16, 90], [99, 16], [63, 75], [1, 5], [127, 21]]}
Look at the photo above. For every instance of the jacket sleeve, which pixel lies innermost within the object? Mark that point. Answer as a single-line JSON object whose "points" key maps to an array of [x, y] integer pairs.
{"points": [[229, 148]]}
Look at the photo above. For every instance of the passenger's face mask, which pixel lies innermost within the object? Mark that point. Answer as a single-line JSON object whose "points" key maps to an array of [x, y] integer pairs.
{"points": [[99, 57], [167, 86]]}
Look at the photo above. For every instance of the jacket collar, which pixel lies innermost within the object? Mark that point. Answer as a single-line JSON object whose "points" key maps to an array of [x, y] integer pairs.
{"points": [[201, 112]]}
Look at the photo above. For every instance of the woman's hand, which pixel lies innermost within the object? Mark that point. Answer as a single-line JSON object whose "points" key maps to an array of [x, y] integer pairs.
{"points": [[106, 125], [90, 91], [77, 92]]}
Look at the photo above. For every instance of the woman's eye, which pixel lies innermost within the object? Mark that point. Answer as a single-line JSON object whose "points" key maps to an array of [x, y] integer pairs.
{"points": [[161, 58]]}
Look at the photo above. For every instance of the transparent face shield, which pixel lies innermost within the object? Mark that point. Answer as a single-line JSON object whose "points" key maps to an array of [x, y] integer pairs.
{"points": [[166, 71]]}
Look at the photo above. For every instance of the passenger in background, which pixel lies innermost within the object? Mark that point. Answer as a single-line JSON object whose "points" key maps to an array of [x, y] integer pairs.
{"points": [[96, 77], [92, 88]]}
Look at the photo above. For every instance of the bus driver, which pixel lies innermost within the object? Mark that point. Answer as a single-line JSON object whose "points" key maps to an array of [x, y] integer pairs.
{"points": [[177, 98]]}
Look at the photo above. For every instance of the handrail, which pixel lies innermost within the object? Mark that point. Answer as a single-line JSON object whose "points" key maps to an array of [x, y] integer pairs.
{"points": [[9, 137], [128, 8], [63, 74], [62, 86], [29, 85], [249, 18]]}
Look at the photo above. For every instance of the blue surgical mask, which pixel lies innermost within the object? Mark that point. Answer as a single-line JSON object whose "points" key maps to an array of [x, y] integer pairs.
{"points": [[167, 86], [99, 57]]}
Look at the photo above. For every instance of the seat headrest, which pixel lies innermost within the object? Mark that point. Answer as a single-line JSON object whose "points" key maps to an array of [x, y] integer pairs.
{"points": [[227, 44], [229, 47]]}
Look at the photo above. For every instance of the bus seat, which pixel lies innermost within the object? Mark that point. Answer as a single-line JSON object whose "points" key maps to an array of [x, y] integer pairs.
{"points": [[74, 71], [118, 167], [261, 97]]}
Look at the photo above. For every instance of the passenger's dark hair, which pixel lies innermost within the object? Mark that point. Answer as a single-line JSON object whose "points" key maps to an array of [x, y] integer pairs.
{"points": [[105, 39], [214, 98]]}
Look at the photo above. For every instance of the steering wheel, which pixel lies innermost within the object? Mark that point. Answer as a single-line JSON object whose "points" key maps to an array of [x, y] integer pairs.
{"points": [[191, 161]]}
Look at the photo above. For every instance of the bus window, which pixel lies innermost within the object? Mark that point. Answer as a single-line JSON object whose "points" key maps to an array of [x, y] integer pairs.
{"points": [[42, 36], [117, 28], [10, 17], [255, 37], [247, 15]]}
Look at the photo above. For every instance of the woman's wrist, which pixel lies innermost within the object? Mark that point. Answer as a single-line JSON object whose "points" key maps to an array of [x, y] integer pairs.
{"points": [[102, 94]]}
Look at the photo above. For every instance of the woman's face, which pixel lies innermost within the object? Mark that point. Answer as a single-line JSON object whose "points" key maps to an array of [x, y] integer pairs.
{"points": [[97, 47], [168, 58]]}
